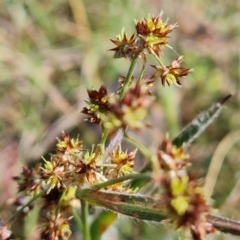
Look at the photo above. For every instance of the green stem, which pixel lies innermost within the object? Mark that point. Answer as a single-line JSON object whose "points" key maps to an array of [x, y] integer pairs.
{"points": [[139, 146], [26, 205], [123, 90], [142, 70], [77, 220], [158, 59], [145, 176], [129, 76], [104, 137], [84, 215]]}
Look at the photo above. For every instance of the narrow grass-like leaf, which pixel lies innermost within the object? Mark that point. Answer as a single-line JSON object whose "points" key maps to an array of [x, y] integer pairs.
{"points": [[199, 124], [137, 206], [146, 208]]}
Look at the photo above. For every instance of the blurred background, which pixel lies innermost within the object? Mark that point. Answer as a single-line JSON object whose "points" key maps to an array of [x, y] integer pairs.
{"points": [[51, 51]]}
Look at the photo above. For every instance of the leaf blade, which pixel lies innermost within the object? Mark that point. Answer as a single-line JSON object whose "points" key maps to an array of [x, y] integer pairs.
{"points": [[199, 124], [133, 205]]}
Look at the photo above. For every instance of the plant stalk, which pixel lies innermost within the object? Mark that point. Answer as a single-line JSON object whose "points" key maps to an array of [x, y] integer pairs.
{"points": [[84, 215]]}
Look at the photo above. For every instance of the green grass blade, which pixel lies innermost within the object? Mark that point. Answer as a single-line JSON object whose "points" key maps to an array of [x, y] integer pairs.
{"points": [[199, 124]]}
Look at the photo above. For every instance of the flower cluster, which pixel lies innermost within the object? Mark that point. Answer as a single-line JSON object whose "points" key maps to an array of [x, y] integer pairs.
{"points": [[182, 192], [126, 46], [97, 104], [73, 167], [151, 35], [29, 180], [130, 111], [113, 112], [124, 162], [56, 227], [70, 167], [171, 74], [128, 106]]}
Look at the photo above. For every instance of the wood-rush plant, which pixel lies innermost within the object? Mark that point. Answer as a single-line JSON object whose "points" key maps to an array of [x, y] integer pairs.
{"points": [[104, 176]]}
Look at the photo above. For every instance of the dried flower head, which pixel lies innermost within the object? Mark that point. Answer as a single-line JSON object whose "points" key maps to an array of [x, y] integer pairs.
{"points": [[172, 158], [56, 227], [182, 192], [68, 145], [126, 46], [186, 203], [97, 104], [130, 111], [124, 162], [70, 165], [153, 32], [171, 74], [53, 172], [29, 180]]}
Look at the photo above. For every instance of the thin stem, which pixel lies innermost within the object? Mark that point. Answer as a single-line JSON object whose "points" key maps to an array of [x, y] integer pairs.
{"points": [[139, 146], [104, 137], [158, 59], [142, 70], [225, 225], [59, 202], [146, 176], [123, 90], [106, 165], [26, 205], [77, 220], [129, 76], [84, 215]]}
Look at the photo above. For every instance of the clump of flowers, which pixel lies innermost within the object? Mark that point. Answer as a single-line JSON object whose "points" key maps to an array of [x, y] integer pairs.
{"points": [[182, 191], [153, 33], [74, 168], [70, 167], [171, 74], [97, 104], [125, 46]]}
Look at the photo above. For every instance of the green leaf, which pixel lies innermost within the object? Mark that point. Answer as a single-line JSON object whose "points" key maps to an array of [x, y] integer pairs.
{"points": [[133, 205], [199, 124]]}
